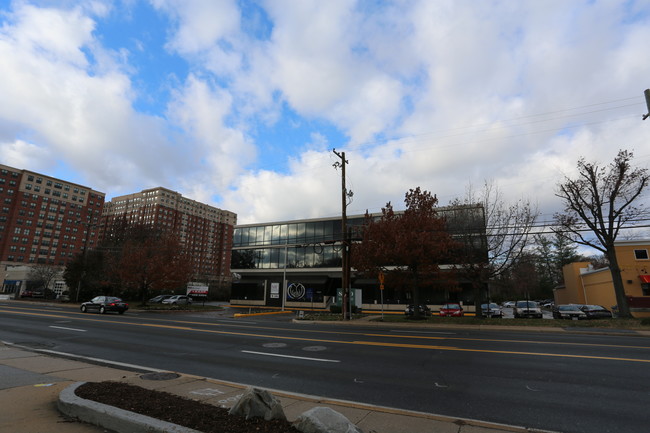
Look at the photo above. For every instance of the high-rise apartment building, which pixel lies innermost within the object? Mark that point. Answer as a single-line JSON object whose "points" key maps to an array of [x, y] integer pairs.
{"points": [[205, 231], [45, 220]]}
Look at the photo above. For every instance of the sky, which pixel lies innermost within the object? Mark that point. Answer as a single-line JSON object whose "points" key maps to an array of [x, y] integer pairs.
{"points": [[246, 105]]}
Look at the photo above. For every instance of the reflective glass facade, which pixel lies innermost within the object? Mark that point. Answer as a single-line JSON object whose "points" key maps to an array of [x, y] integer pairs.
{"points": [[317, 243], [300, 244]]}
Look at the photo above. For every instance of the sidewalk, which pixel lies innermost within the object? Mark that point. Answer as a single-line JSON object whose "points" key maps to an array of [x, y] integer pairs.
{"points": [[32, 380]]}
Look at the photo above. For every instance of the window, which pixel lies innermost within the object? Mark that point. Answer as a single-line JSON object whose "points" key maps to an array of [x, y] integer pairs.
{"points": [[641, 254]]}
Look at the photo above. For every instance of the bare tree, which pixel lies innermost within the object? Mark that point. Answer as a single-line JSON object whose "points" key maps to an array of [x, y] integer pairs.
{"points": [[150, 260], [601, 199], [508, 231], [43, 274]]}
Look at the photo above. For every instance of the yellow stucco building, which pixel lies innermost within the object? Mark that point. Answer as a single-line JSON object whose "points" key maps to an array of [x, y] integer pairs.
{"points": [[585, 285]]}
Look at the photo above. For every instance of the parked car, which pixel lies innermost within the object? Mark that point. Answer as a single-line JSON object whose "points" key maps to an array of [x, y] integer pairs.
{"points": [[568, 311], [424, 310], [491, 310], [596, 312], [527, 309], [451, 310], [177, 300], [158, 299], [26, 294], [508, 304], [102, 304]]}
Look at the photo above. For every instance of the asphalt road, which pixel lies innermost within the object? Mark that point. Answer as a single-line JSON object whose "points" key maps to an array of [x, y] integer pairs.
{"points": [[568, 382]]}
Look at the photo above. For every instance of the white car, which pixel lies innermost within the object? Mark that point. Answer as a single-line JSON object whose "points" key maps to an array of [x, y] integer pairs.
{"points": [[178, 300], [527, 309]]}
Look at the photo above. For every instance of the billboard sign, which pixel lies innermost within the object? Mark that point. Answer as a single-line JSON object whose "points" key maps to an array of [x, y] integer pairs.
{"points": [[197, 290]]}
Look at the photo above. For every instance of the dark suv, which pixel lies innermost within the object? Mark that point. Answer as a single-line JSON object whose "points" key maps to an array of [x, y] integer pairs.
{"points": [[424, 310]]}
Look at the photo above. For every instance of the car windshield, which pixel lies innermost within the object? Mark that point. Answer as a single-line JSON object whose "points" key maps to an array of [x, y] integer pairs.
{"points": [[492, 306], [451, 306], [567, 307], [594, 308], [529, 304]]}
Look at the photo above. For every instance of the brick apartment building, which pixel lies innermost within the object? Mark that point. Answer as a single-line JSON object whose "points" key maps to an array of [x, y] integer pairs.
{"points": [[44, 220], [205, 231]]}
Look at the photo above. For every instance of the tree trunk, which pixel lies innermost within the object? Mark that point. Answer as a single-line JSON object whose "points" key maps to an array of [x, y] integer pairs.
{"points": [[619, 288]]}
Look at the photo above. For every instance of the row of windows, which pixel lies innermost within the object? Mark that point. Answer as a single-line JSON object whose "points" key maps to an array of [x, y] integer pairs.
{"points": [[48, 191], [13, 258], [309, 232], [54, 245], [327, 256], [5, 172], [57, 185]]}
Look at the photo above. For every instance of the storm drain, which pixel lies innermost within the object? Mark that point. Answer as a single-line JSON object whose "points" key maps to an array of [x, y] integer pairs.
{"points": [[159, 376]]}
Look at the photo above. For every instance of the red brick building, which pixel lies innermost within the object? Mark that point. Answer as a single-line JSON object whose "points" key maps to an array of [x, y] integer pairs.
{"points": [[205, 231], [45, 220]]}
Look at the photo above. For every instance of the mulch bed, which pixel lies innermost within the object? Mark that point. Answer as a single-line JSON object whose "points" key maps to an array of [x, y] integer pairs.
{"points": [[168, 407]]}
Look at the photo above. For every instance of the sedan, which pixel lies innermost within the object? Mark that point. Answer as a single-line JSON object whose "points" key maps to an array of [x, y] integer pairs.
{"points": [[158, 299], [491, 310], [451, 310], [596, 312], [102, 304], [568, 312], [177, 300]]}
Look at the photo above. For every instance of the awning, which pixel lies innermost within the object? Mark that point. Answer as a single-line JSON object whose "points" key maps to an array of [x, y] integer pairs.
{"points": [[645, 278]]}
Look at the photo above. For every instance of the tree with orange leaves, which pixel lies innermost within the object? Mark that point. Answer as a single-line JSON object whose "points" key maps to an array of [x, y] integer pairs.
{"points": [[408, 247]]}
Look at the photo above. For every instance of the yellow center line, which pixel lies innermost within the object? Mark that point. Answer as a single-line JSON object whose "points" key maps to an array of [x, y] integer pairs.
{"points": [[490, 340], [356, 342]]}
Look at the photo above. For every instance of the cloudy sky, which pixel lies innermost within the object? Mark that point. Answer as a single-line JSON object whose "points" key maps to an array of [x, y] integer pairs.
{"points": [[240, 103]]}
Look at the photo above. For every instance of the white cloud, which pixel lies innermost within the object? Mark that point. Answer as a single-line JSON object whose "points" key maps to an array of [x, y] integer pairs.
{"points": [[218, 152], [431, 94]]}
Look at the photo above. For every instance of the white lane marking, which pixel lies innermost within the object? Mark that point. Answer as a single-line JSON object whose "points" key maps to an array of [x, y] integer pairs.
{"points": [[208, 391], [289, 356], [423, 332], [440, 386], [68, 329]]}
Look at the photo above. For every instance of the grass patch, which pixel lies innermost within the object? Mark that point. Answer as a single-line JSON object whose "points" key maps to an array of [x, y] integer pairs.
{"points": [[330, 317], [186, 307]]}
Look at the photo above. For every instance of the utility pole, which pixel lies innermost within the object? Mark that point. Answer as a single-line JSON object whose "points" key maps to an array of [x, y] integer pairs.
{"points": [[88, 225], [345, 268]]}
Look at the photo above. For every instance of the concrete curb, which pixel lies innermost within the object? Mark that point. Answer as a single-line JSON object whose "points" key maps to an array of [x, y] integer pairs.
{"points": [[110, 417]]}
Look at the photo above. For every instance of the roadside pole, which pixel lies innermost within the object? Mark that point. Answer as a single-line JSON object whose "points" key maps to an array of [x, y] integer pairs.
{"points": [[381, 291]]}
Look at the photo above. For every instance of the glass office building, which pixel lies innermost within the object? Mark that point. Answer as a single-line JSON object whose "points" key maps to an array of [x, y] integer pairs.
{"points": [[308, 254]]}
